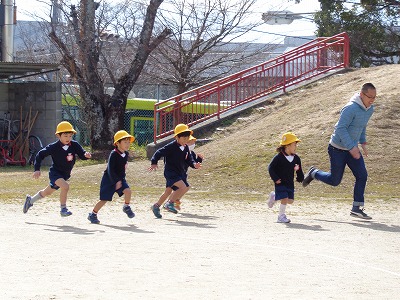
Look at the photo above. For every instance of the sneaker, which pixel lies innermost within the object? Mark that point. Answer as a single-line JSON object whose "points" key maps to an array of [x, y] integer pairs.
{"points": [[65, 212], [177, 205], [156, 211], [359, 213], [308, 177], [283, 219], [27, 204], [128, 211], [93, 218], [271, 200], [170, 207]]}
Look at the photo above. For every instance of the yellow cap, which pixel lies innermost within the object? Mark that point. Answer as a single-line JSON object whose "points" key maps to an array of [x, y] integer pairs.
{"points": [[181, 128], [288, 138], [191, 138], [119, 135], [64, 126]]}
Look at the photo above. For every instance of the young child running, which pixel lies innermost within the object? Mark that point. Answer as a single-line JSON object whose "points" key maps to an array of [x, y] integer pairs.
{"points": [[113, 180], [198, 158], [176, 159], [63, 153], [281, 169]]}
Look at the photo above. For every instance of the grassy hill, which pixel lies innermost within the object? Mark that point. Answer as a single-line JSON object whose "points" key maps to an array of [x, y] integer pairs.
{"points": [[238, 157], [235, 167]]}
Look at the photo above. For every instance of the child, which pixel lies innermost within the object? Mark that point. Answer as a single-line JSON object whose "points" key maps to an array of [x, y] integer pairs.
{"points": [[198, 158], [176, 159], [113, 180], [63, 154], [281, 169]]}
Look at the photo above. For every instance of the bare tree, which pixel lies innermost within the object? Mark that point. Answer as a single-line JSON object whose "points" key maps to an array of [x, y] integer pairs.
{"points": [[201, 47], [82, 43]]}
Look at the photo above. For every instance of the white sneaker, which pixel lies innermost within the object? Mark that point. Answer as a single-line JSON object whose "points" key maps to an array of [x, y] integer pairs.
{"points": [[283, 219], [271, 200]]}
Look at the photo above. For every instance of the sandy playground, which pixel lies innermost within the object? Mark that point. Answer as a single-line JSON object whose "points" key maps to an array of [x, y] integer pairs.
{"points": [[211, 250]]}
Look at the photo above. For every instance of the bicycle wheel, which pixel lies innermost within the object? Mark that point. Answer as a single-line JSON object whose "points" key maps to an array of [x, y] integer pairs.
{"points": [[35, 144], [3, 129], [14, 129]]}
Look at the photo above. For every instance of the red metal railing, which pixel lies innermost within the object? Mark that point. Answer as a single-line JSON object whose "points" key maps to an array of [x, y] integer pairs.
{"points": [[211, 100]]}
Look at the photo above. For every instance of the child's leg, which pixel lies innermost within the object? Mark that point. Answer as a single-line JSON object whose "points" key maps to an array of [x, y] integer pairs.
{"points": [[164, 196], [127, 209], [93, 215], [282, 208], [64, 188], [127, 196], [46, 192], [179, 192], [41, 194], [99, 205], [156, 206], [29, 200]]}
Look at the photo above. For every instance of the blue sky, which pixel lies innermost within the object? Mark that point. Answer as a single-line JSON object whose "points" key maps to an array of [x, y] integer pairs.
{"points": [[264, 34]]}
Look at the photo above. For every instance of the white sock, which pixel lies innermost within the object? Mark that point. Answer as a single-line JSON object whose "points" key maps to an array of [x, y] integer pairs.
{"points": [[36, 197], [282, 209]]}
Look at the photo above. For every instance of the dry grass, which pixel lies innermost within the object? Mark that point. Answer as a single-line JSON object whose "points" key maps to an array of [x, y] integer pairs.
{"points": [[236, 160]]}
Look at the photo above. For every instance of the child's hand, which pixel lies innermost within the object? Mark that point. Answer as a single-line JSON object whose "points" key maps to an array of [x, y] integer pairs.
{"points": [[153, 168], [88, 155], [36, 174], [278, 181], [200, 155], [197, 165], [118, 185]]}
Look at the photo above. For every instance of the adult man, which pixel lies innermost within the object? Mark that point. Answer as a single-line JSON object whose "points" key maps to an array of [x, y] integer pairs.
{"points": [[350, 130]]}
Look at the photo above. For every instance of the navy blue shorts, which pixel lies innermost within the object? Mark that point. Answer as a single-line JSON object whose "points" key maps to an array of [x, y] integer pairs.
{"points": [[172, 180], [54, 175], [282, 192], [107, 189]]}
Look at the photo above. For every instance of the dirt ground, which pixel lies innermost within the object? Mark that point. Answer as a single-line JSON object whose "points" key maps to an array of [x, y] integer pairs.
{"points": [[211, 250]]}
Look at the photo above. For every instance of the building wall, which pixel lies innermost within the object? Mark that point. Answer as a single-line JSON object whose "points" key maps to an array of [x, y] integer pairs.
{"points": [[43, 98]]}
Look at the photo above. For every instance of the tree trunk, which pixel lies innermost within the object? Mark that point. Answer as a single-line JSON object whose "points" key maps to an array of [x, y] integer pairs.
{"points": [[104, 121]]}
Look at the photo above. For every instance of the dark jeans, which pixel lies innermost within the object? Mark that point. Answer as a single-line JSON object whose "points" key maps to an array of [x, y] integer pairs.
{"points": [[339, 159]]}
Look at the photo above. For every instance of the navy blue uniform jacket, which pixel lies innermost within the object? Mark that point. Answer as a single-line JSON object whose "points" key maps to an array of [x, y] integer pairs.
{"points": [[281, 168], [175, 159], [116, 167], [63, 160]]}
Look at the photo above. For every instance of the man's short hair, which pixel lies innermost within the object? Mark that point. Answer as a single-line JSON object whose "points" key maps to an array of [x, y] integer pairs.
{"points": [[367, 86]]}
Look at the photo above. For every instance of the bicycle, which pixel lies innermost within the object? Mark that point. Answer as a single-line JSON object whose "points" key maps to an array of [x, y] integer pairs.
{"points": [[35, 145], [9, 129]]}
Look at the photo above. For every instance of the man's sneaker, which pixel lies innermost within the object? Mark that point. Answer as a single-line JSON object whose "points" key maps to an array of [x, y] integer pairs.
{"points": [[359, 213], [170, 207], [177, 205], [128, 211], [156, 211], [271, 200], [283, 219], [93, 218], [65, 212], [27, 204], [308, 177]]}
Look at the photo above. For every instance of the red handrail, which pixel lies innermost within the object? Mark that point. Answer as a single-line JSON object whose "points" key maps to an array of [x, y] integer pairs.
{"points": [[211, 100]]}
